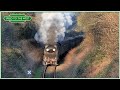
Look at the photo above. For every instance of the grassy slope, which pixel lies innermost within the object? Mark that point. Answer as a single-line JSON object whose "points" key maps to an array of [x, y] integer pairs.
{"points": [[102, 30]]}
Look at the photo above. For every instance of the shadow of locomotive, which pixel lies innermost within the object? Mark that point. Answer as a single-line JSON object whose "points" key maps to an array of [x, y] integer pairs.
{"points": [[72, 39]]}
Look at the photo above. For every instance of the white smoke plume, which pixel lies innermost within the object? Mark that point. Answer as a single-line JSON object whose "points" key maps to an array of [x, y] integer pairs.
{"points": [[52, 26]]}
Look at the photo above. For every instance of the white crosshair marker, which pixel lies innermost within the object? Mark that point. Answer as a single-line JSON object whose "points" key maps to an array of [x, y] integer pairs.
{"points": [[29, 72]]}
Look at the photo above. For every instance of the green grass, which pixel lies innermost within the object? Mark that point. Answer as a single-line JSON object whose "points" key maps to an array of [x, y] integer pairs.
{"points": [[38, 73]]}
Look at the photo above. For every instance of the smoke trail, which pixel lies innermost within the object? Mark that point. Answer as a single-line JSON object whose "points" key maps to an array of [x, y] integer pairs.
{"points": [[53, 26]]}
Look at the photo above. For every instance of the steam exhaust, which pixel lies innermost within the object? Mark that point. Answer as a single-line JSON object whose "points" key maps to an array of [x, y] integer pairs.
{"points": [[51, 30]]}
